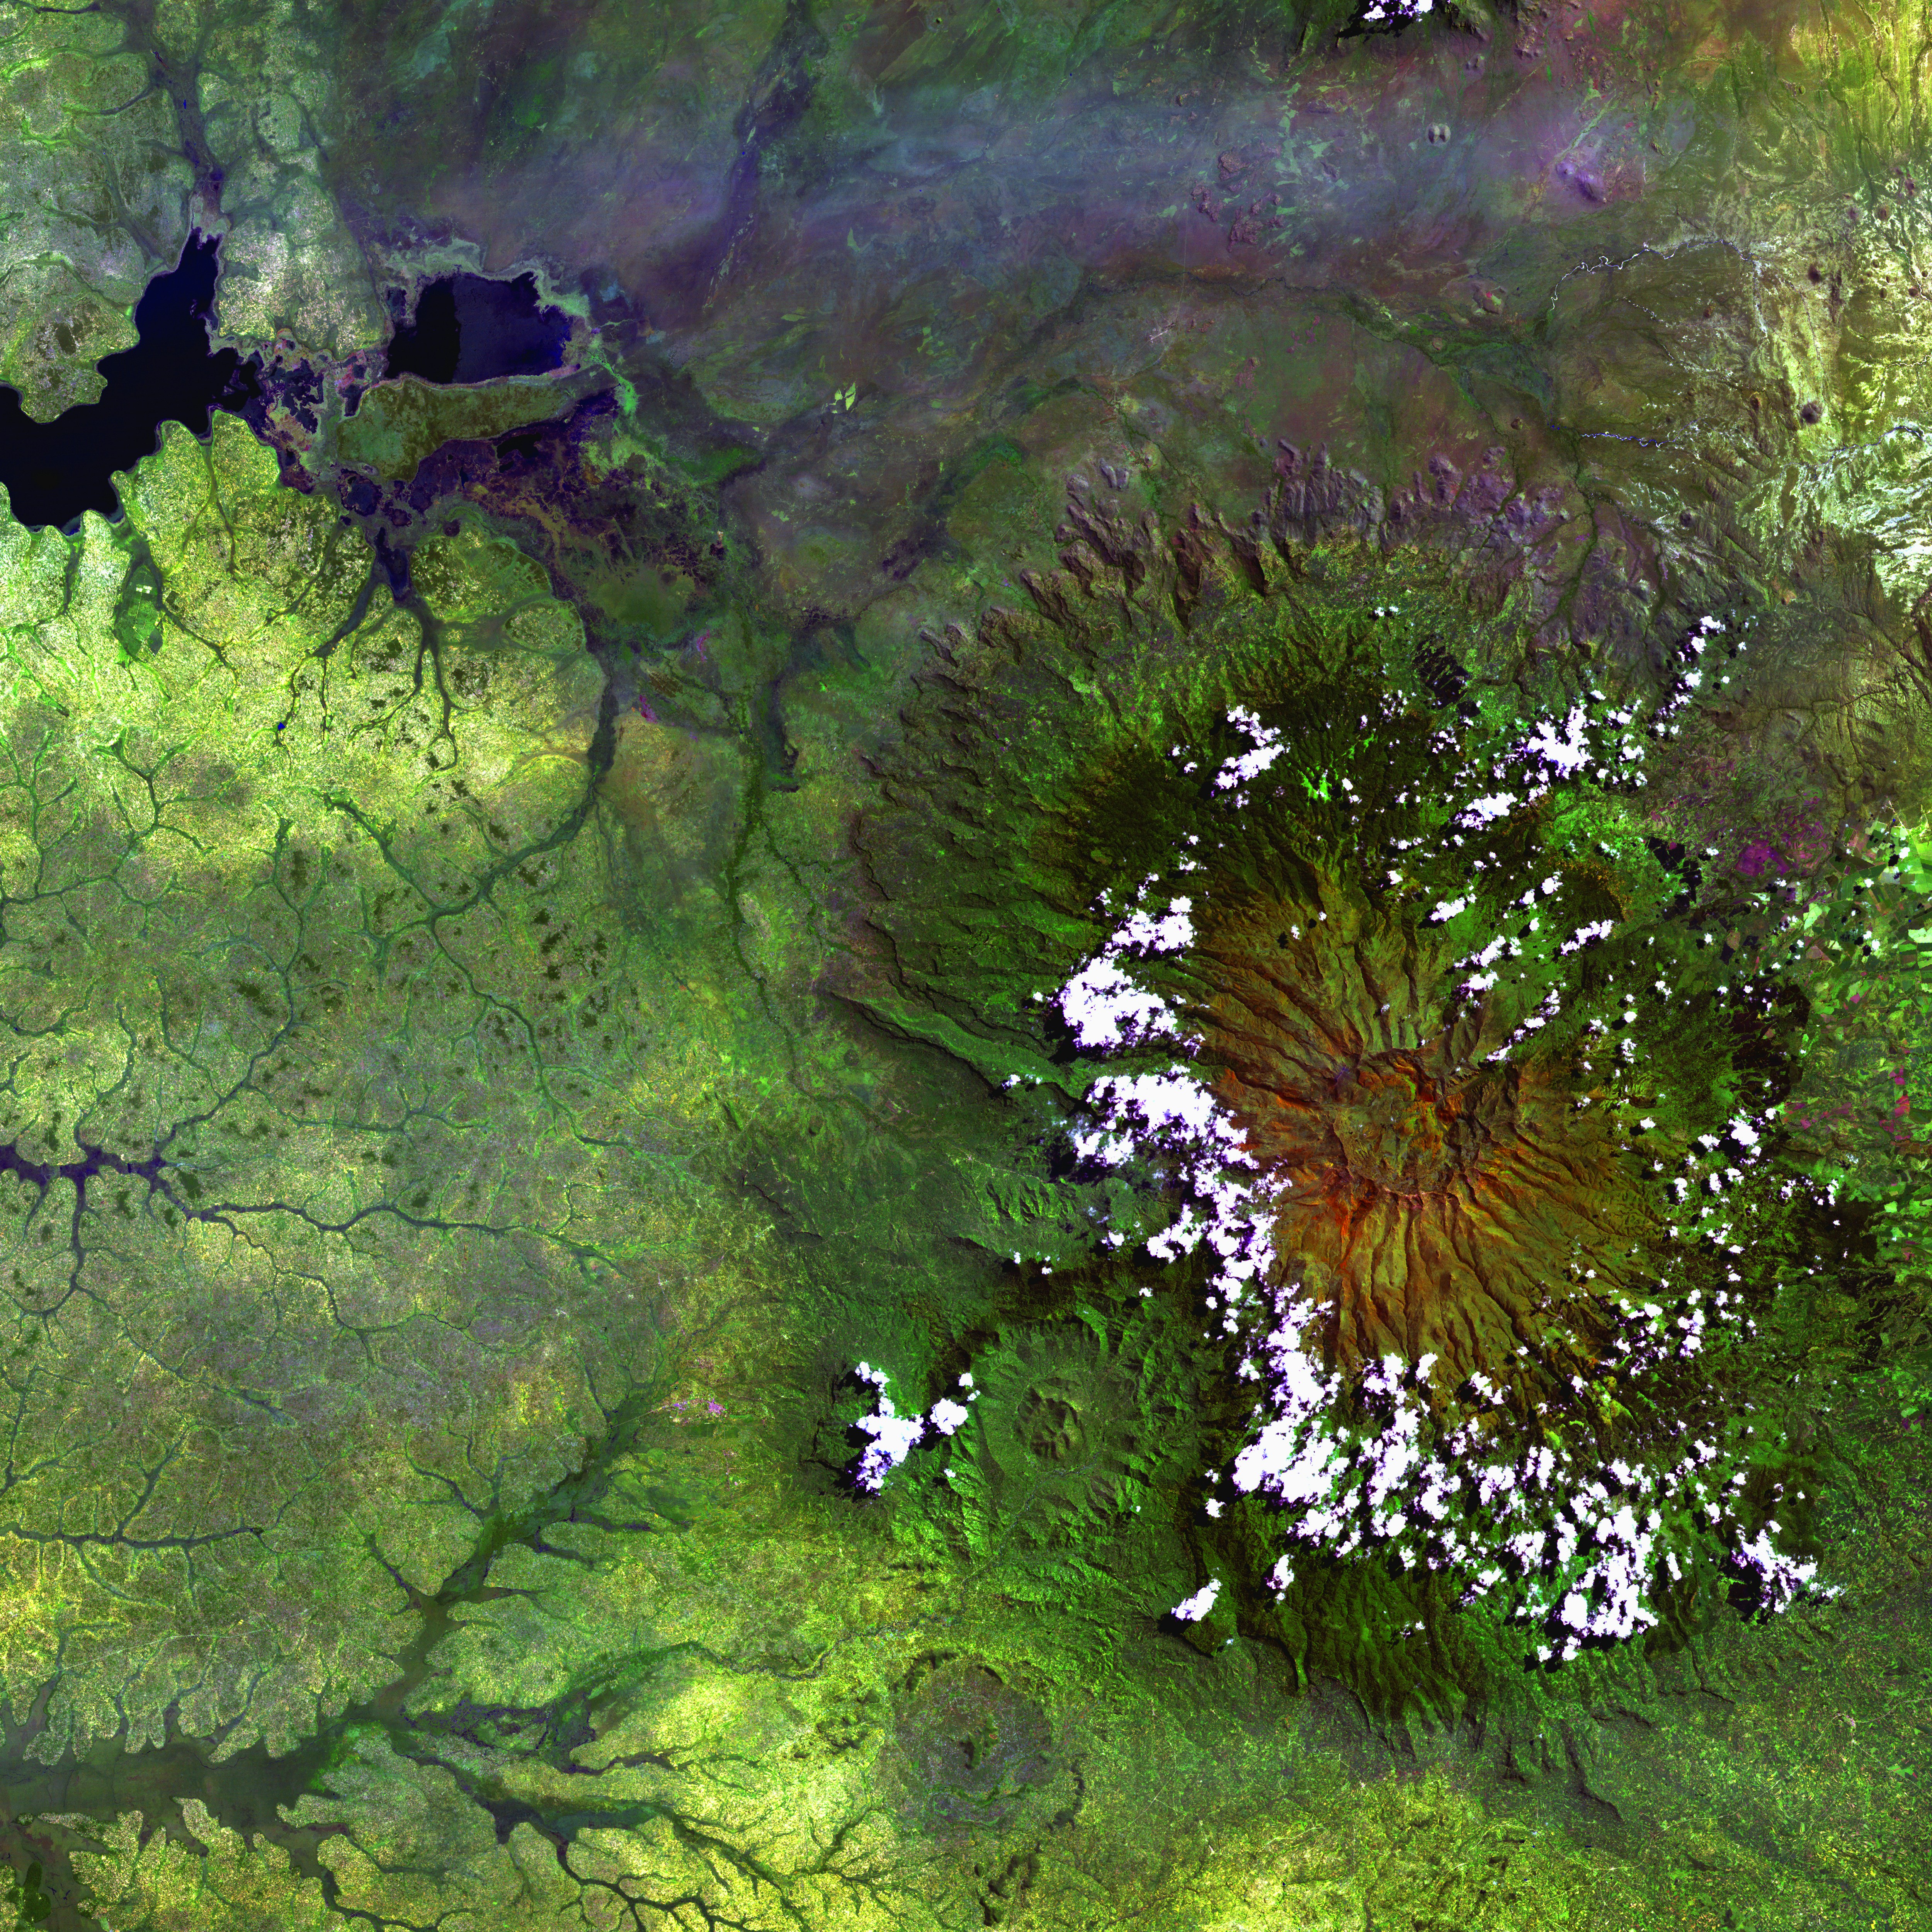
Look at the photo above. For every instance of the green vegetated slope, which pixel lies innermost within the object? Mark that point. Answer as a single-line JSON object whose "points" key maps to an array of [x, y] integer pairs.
{"points": [[263, 1453]]}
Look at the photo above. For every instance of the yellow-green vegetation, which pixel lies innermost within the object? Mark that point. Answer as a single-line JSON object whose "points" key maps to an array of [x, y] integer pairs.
{"points": [[334, 1219], [208, 1876]]}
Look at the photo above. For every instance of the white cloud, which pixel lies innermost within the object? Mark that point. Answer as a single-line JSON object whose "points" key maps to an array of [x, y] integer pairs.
{"points": [[1192, 1609]]}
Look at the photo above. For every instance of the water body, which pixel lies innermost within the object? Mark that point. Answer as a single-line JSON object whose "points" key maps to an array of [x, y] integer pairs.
{"points": [[469, 328], [55, 471]]}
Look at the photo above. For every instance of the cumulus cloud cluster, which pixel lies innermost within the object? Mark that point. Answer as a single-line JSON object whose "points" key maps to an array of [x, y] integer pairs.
{"points": [[1472, 1467], [895, 1436], [1441, 1475]]}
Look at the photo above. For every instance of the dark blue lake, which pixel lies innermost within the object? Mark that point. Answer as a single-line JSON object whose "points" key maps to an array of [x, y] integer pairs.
{"points": [[466, 328], [469, 329], [54, 471]]}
